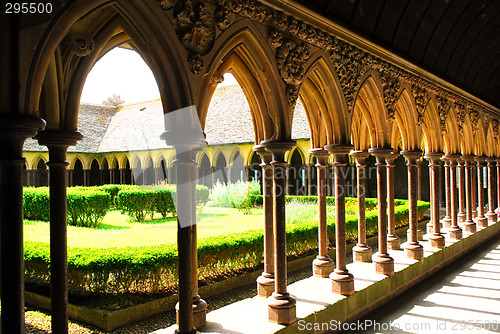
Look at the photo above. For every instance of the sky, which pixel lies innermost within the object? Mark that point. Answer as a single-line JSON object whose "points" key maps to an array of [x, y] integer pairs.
{"points": [[123, 72]]}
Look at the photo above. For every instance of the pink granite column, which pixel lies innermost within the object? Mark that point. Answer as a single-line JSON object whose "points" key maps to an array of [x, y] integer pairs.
{"points": [[498, 185], [361, 252], [454, 230], [322, 264], [447, 218], [461, 190], [384, 263], [474, 189], [491, 215], [265, 282], [436, 238], [281, 305], [469, 224], [393, 241], [342, 279], [481, 220], [414, 249]]}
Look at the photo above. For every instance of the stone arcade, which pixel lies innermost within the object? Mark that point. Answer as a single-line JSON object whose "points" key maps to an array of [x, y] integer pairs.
{"points": [[398, 81]]}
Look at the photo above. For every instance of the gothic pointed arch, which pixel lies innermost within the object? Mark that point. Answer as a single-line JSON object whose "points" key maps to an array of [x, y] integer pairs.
{"points": [[431, 128], [405, 117], [451, 135], [480, 147]]}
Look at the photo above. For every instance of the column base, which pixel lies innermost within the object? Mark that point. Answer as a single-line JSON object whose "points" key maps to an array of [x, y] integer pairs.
{"points": [[199, 312], [281, 309], [482, 221], [492, 217], [265, 285], [342, 283], [323, 266], [461, 217], [362, 253], [437, 240], [384, 264], [393, 242], [455, 233], [474, 213], [446, 222], [193, 331], [414, 251], [469, 227], [429, 227]]}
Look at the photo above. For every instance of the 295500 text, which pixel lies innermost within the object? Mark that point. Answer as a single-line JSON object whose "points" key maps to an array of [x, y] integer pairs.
{"points": [[28, 8]]}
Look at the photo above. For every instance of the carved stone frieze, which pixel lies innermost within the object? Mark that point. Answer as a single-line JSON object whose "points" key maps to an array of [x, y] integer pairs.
{"points": [[443, 107], [495, 125], [474, 119], [194, 26], [222, 19], [276, 38], [390, 87], [461, 113], [82, 45], [421, 97]]}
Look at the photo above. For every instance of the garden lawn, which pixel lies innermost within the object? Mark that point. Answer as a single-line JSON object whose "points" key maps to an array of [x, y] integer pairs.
{"points": [[117, 230]]}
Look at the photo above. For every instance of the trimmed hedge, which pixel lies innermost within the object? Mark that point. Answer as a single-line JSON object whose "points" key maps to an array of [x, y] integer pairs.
{"points": [[154, 269], [87, 207], [36, 203]]}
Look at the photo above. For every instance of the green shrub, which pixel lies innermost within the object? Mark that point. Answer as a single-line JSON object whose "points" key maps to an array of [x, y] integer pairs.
{"points": [[164, 203], [137, 202], [36, 203], [202, 194], [87, 207], [113, 189]]}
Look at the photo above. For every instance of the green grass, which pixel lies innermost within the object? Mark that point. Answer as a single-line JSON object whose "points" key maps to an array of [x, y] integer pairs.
{"points": [[117, 230]]}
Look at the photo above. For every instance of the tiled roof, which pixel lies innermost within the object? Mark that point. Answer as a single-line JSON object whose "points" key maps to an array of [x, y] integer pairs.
{"points": [[139, 126]]}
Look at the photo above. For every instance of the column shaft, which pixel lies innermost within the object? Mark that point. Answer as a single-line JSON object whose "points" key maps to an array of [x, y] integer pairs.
{"points": [[481, 220], [393, 241], [491, 215], [265, 282], [447, 186], [469, 224], [361, 252], [414, 249], [461, 191], [436, 238], [454, 230]]}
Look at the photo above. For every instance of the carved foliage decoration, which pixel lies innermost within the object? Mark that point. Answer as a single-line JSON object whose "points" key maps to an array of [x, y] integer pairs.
{"points": [[474, 118], [222, 19], [276, 38], [194, 26], [461, 113], [290, 58], [421, 97], [390, 87], [195, 63], [167, 4], [495, 125], [443, 107], [82, 44]]}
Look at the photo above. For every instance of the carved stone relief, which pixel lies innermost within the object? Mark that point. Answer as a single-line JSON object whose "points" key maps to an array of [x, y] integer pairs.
{"points": [[390, 87], [443, 107], [82, 45], [194, 26], [421, 97], [222, 19], [461, 113], [167, 4]]}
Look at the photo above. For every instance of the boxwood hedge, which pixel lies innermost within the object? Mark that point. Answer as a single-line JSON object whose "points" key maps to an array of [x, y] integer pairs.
{"points": [[154, 269]]}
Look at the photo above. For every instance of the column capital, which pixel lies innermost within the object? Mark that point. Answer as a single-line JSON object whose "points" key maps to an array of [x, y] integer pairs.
{"points": [[381, 153], [468, 158], [360, 157], [389, 160], [480, 160], [321, 155], [58, 137], [278, 148], [339, 152], [452, 158], [265, 156], [433, 158], [14, 130], [184, 141], [412, 154], [491, 160]]}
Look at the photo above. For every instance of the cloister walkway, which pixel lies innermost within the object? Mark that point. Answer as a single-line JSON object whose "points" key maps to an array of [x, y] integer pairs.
{"points": [[463, 298]]}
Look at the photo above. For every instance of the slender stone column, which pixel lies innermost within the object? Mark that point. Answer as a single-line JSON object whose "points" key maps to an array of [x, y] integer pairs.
{"points": [[361, 252], [322, 264], [281, 304], [58, 143], [414, 249], [384, 263], [287, 179], [29, 177], [13, 132], [498, 185], [454, 230], [159, 175], [447, 218], [469, 224], [491, 215], [309, 179], [186, 142], [419, 179], [461, 191], [111, 176], [170, 175], [265, 282], [474, 194], [122, 175], [436, 238], [342, 279], [481, 220], [393, 241]]}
